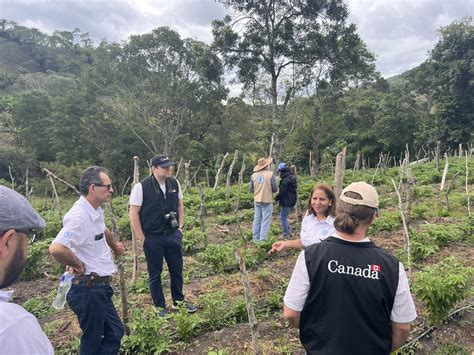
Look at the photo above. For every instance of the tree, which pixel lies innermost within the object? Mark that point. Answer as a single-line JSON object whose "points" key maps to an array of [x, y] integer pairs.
{"points": [[445, 83], [309, 42]]}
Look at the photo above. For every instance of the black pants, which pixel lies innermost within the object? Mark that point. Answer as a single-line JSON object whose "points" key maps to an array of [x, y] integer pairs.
{"points": [[170, 247]]}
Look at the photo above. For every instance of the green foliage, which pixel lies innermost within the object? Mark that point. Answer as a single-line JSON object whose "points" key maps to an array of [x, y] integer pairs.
{"points": [[187, 325], [419, 211], [450, 349], [386, 221], [422, 191], [220, 257], [193, 240], [141, 285], [431, 237], [148, 333], [216, 309], [227, 219], [219, 206], [442, 286], [37, 253], [37, 307]]}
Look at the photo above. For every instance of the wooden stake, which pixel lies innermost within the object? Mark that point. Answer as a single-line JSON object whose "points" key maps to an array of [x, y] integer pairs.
{"points": [[248, 301], [218, 173], [50, 174], [445, 172], [468, 154], [448, 190], [405, 228], [120, 268], [229, 174], [177, 170], [11, 177], [186, 174], [240, 182], [339, 173]]}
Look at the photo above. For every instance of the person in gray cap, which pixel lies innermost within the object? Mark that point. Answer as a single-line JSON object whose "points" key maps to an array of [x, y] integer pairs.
{"points": [[20, 332]]}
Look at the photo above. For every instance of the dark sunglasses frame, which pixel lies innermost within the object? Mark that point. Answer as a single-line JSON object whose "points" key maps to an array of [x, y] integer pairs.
{"points": [[109, 186], [33, 235]]}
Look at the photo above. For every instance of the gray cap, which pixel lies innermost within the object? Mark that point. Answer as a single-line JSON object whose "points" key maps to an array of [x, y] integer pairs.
{"points": [[17, 213]]}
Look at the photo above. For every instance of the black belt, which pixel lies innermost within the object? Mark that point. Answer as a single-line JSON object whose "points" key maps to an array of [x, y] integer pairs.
{"points": [[93, 278]]}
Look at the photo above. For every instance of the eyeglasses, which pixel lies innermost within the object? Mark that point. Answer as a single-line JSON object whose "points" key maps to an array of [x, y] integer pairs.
{"points": [[31, 234], [108, 186]]}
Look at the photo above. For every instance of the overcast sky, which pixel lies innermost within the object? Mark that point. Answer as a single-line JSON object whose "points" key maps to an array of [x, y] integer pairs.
{"points": [[399, 32]]}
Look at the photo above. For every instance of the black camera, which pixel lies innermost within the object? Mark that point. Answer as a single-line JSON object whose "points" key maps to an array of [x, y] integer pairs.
{"points": [[171, 217]]}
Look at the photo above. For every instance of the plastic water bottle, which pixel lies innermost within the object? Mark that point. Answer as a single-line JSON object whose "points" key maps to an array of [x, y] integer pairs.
{"points": [[63, 289]]}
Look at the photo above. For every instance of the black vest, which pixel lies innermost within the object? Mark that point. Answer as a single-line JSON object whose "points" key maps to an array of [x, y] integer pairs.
{"points": [[155, 206], [351, 295]]}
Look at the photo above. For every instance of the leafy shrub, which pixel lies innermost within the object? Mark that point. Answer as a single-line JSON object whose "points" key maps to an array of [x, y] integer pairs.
{"points": [[141, 285], [387, 221], [220, 257], [419, 211], [37, 307], [422, 191], [187, 325], [219, 206], [37, 253], [227, 219], [149, 334], [431, 237], [53, 224], [239, 310], [441, 286], [216, 311], [192, 239]]}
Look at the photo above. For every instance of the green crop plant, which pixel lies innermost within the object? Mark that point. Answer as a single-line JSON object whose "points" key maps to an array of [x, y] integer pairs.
{"points": [[442, 286], [38, 307], [187, 325], [386, 221], [149, 333], [220, 257]]}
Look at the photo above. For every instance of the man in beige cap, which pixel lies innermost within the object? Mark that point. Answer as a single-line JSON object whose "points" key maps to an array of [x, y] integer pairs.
{"points": [[20, 332], [263, 184], [346, 295]]}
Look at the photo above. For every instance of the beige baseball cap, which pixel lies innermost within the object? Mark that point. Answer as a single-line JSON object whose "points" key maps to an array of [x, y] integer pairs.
{"points": [[370, 197]]}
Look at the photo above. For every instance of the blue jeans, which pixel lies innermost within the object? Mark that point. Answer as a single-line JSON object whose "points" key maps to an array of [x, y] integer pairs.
{"points": [[157, 247], [102, 329], [262, 220], [284, 212]]}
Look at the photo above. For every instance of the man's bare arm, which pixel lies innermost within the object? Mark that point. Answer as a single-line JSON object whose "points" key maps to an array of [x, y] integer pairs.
{"points": [[400, 334], [65, 256], [293, 317], [134, 216]]}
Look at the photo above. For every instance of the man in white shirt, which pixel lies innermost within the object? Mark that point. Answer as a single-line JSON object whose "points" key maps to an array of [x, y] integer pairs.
{"points": [[157, 218], [84, 245], [20, 332]]}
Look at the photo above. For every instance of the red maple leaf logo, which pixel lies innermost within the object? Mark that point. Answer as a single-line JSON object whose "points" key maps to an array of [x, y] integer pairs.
{"points": [[375, 267]]}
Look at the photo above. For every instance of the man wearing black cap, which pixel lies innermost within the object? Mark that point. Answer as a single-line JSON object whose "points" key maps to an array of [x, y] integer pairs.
{"points": [[20, 332], [157, 218]]}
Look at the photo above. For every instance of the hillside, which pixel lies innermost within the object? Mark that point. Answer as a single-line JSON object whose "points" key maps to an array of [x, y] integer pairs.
{"points": [[440, 236]]}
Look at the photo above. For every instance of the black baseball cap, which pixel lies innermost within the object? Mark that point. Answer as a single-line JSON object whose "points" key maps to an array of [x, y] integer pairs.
{"points": [[161, 160]]}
